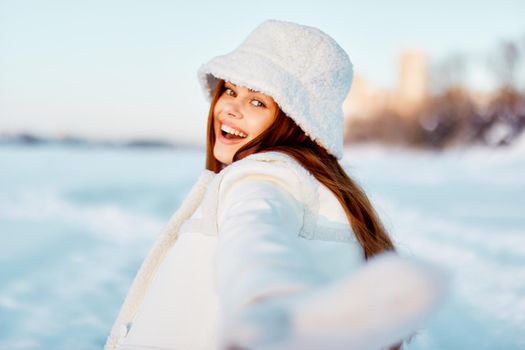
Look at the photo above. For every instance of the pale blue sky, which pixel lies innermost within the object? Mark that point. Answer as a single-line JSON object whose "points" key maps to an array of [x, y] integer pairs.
{"points": [[120, 69]]}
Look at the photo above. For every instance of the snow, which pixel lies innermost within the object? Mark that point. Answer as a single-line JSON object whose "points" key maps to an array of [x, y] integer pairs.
{"points": [[76, 223]]}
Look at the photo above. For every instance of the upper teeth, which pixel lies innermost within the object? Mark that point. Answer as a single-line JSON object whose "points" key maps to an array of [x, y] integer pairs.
{"points": [[229, 130]]}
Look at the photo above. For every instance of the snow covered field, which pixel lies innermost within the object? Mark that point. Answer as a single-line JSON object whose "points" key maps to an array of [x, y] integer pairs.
{"points": [[76, 223]]}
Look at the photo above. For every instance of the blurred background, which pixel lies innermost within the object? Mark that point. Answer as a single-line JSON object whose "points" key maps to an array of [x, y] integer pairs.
{"points": [[102, 132]]}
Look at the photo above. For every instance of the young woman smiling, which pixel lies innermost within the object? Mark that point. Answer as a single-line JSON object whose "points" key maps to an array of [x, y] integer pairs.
{"points": [[240, 115], [276, 247]]}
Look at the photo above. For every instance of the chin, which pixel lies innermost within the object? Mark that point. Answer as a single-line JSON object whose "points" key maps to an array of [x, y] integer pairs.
{"points": [[224, 157], [224, 161], [224, 153]]}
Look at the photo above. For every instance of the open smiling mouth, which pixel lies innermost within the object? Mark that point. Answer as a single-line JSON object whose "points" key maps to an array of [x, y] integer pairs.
{"points": [[232, 134]]}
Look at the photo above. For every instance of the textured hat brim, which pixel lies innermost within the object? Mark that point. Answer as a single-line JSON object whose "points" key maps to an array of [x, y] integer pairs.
{"points": [[260, 73]]}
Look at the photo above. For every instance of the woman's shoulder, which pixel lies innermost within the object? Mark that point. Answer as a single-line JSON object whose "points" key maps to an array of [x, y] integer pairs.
{"points": [[271, 162], [277, 167]]}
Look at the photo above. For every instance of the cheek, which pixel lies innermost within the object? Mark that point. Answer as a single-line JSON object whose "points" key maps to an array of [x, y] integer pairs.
{"points": [[262, 123], [218, 106], [215, 111]]}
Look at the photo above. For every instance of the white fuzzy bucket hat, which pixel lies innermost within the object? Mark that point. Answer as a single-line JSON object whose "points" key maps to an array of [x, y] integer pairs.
{"points": [[302, 68]]}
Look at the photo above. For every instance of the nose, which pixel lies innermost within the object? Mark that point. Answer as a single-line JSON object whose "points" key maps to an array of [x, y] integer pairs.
{"points": [[232, 109]]}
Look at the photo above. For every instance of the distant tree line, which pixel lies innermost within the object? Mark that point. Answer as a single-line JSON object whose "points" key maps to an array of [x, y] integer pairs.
{"points": [[451, 117]]}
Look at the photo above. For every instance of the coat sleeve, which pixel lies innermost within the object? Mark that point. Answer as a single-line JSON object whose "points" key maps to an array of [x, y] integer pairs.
{"points": [[269, 295], [259, 261]]}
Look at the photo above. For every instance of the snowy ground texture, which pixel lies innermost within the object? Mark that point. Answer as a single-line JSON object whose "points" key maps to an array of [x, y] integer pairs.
{"points": [[76, 223]]}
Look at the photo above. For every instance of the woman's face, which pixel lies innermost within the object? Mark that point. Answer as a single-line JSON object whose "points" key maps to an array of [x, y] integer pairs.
{"points": [[239, 116]]}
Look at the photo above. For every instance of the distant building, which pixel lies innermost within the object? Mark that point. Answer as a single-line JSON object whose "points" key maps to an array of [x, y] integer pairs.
{"points": [[365, 100], [414, 82]]}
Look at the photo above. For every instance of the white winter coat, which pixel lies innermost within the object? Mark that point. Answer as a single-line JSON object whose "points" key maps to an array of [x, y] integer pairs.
{"points": [[262, 255]]}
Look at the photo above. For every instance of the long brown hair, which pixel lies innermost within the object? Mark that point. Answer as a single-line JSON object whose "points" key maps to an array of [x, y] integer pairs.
{"points": [[287, 137]]}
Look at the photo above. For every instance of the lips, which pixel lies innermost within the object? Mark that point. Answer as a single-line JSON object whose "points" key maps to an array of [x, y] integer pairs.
{"points": [[224, 122], [225, 140], [227, 131]]}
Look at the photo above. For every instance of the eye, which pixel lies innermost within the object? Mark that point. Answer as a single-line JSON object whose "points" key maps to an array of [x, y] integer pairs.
{"points": [[229, 92], [258, 103]]}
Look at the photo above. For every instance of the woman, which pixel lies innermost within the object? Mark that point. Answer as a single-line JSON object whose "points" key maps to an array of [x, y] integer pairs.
{"points": [[270, 248]]}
